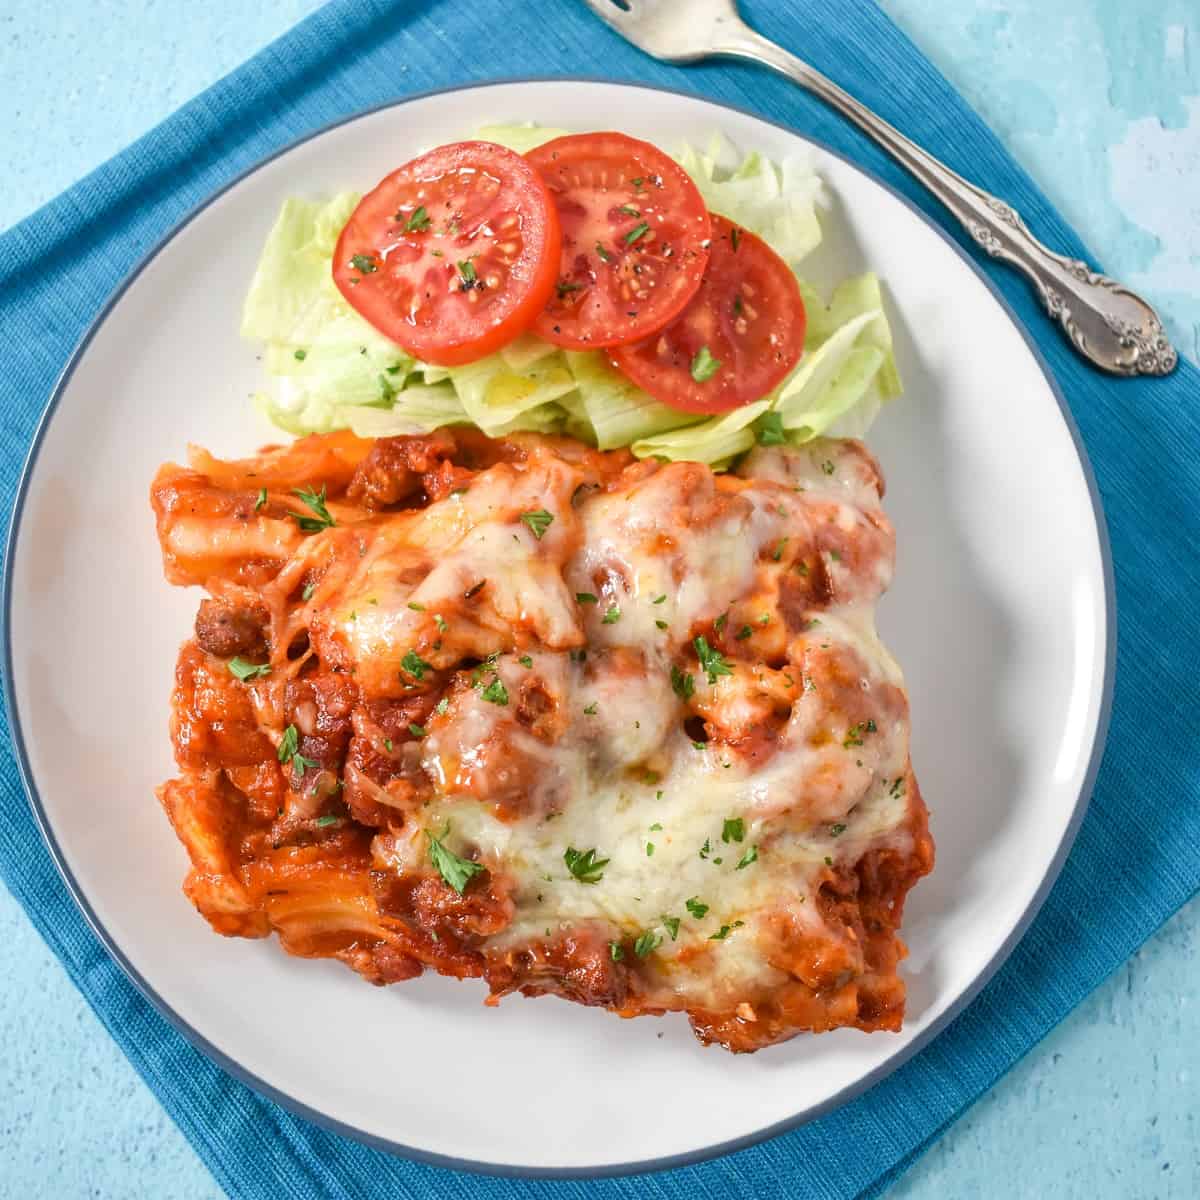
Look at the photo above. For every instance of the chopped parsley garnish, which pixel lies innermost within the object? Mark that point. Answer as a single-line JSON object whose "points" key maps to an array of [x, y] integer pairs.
{"points": [[239, 668], [364, 263], [538, 522], [646, 943], [637, 183], [656, 826], [327, 820], [495, 692], [457, 872], [629, 210], [733, 830], [836, 830], [616, 951], [696, 907], [662, 624], [671, 924], [682, 684], [564, 287], [659, 599], [897, 788], [309, 588], [744, 633], [415, 665], [704, 366], [299, 355], [735, 236], [750, 856], [525, 660], [725, 931], [828, 861], [442, 706], [418, 222], [288, 744], [591, 710], [711, 660], [780, 547], [827, 467], [388, 744], [586, 598], [440, 622], [584, 864], [316, 502], [612, 616], [720, 623], [649, 849], [770, 429], [418, 731], [415, 606], [262, 499], [706, 849], [637, 233], [854, 735], [604, 254], [764, 618], [300, 764], [467, 270]]}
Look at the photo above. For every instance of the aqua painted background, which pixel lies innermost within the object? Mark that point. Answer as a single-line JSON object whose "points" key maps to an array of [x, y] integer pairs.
{"points": [[1100, 100]]}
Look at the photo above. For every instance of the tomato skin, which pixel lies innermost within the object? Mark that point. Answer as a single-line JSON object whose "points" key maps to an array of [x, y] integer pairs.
{"points": [[635, 235], [748, 313], [453, 254]]}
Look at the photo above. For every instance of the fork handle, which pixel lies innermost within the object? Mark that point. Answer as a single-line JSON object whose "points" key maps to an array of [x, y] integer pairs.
{"points": [[1108, 324]]}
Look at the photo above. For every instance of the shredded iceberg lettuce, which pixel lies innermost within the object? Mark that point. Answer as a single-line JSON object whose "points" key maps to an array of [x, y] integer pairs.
{"points": [[520, 138], [777, 201], [715, 441], [328, 369]]}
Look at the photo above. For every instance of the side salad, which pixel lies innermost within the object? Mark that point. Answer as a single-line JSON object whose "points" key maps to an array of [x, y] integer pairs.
{"points": [[637, 300]]}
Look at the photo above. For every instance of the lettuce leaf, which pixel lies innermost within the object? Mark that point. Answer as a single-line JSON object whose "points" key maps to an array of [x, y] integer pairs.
{"points": [[421, 408], [714, 441], [776, 201], [501, 400], [521, 138], [329, 369], [617, 410]]}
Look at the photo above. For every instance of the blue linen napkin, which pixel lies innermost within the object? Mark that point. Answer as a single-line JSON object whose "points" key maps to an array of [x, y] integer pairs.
{"points": [[1137, 858]]}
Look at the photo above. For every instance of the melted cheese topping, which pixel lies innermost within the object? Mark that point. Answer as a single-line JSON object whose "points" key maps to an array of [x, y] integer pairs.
{"points": [[703, 840]]}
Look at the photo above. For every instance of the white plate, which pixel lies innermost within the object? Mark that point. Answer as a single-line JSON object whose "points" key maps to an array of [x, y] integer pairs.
{"points": [[1001, 615]]}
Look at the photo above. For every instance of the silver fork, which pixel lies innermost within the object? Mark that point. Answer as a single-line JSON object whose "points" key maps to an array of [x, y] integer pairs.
{"points": [[1107, 323]]}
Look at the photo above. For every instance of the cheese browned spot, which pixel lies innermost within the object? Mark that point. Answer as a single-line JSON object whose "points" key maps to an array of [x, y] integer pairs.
{"points": [[649, 754]]}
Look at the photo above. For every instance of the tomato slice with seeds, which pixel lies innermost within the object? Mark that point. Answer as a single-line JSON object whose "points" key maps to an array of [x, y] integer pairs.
{"points": [[454, 254], [738, 338], [634, 239]]}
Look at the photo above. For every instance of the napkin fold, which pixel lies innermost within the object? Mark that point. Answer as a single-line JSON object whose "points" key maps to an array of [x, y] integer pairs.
{"points": [[1137, 856]]}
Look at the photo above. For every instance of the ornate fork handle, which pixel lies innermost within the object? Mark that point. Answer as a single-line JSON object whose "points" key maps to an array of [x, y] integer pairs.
{"points": [[1108, 324]]}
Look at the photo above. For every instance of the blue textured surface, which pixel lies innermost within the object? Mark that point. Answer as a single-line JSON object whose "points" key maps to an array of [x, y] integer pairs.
{"points": [[1097, 104]]}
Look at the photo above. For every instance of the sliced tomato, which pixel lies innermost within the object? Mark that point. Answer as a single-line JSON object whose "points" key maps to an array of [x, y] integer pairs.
{"points": [[454, 254], [634, 239], [737, 339]]}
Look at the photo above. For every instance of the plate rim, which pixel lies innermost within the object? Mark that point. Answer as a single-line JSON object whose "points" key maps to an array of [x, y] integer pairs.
{"points": [[506, 1170]]}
